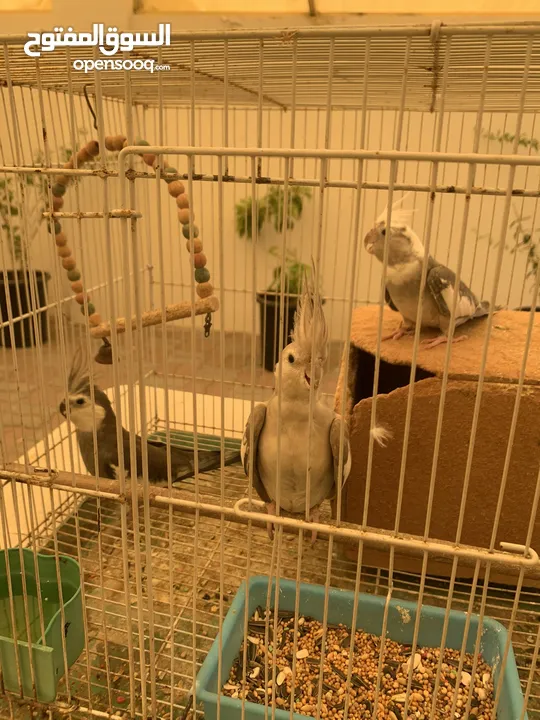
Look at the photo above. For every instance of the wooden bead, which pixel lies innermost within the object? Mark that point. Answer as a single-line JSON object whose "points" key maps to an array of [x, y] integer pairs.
{"points": [[149, 159], [60, 239], [94, 319], [193, 229], [197, 246], [182, 200], [199, 260], [62, 180], [119, 141], [144, 143], [202, 275], [63, 252], [74, 275], [58, 190], [83, 156], [57, 227], [92, 148], [109, 142], [79, 297], [58, 203], [169, 170], [91, 309], [69, 263], [184, 216], [204, 289], [176, 188], [69, 164], [77, 286]]}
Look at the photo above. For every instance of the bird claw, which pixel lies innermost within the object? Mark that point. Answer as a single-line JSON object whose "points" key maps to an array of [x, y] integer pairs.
{"points": [[315, 516], [271, 510], [430, 343], [399, 333]]}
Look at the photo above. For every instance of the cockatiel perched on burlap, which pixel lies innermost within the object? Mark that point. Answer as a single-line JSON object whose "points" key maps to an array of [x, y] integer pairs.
{"points": [[82, 412], [298, 374], [404, 271]]}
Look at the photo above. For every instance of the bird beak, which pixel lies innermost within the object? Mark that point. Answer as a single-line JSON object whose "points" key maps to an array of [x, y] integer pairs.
{"points": [[369, 240], [62, 408], [316, 378]]}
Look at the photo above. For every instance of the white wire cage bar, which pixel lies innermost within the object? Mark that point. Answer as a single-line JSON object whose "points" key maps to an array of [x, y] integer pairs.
{"points": [[160, 566], [306, 50]]}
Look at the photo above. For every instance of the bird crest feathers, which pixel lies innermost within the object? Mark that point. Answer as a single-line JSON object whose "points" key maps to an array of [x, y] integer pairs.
{"points": [[310, 332], [401, 217], [79, 376]]}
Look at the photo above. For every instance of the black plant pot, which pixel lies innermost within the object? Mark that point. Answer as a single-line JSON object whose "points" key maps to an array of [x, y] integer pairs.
{"points": [[270, 304], [16, 284]]}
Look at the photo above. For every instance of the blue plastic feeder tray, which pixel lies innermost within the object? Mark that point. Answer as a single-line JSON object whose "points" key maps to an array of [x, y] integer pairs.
{"points": [[47, 655], [370, 619]]}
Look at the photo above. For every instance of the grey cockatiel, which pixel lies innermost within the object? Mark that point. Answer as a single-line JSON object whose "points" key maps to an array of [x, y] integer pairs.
{"points": [[301, 365], [404, 270], [82, 412]]}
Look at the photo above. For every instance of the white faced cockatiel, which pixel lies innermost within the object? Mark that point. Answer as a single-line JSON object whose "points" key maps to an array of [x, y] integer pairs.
{"points": [[404, 270], [300, 368], [82, 412]]}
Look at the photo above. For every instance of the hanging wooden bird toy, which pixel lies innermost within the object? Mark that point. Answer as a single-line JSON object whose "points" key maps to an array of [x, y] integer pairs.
{"points": [[207, 302]]}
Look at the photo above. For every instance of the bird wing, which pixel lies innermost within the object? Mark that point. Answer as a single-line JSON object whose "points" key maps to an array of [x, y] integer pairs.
{"points": [[107, 455], [441, 284], [248, 451], [389, 301], [335, 432], [182, 460]]}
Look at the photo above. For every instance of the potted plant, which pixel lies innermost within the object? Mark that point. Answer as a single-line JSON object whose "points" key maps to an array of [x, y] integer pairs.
{"points": [[25, 291], [526, 238], [270, 209], [17, 283]]}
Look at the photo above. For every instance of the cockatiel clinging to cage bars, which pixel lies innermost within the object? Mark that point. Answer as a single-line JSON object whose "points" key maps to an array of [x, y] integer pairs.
{"points": [[82, 412], [404, 270], [298, 375]]}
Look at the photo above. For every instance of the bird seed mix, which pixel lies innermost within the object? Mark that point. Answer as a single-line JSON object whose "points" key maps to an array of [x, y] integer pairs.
{"points": [[470, 703]]}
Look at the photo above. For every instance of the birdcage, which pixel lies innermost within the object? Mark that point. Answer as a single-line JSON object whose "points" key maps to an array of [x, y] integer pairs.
{"points": [[273, 149]]}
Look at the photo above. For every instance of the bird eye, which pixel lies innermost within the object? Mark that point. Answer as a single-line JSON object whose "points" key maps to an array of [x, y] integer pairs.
{"points": [[80, 401], [291, 358]]}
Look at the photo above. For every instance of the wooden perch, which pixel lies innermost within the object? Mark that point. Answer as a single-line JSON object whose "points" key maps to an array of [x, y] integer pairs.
{"points": [[154, 317]]}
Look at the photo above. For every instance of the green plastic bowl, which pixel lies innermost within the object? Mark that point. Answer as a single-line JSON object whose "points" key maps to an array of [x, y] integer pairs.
{"points": [[47, 655], [370, 619]]}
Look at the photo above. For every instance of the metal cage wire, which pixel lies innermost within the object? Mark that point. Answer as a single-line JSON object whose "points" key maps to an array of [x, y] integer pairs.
{"points": [[356, 115]]}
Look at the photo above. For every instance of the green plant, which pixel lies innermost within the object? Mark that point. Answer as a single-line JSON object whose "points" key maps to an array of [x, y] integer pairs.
{"points": [[12, 206], [291, 274], [506, 137], [524, 237], [270, 209], [525, 242], [11, 211]]}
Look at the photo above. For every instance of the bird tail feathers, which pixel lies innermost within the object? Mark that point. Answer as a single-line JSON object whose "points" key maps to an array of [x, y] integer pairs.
{"points": [[210, 460]]}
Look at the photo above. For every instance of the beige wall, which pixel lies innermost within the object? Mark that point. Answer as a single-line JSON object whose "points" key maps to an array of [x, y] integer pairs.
{"points": [[164, 257]]}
